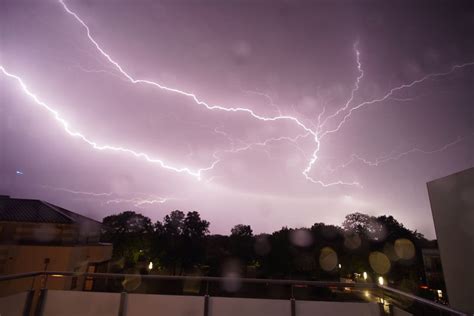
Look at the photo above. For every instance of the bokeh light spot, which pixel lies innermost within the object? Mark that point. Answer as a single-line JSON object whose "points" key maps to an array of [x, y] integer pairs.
{"points": [[328, 259], [404, 249], [379, 262]]}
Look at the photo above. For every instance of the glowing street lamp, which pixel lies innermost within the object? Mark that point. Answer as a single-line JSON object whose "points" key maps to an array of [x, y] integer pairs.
{"points": [[364, 275], [381, 280], [150, 266]]}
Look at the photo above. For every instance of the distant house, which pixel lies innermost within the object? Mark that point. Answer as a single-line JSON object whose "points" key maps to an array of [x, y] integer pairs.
{"points": [[433, 272], [37, 236]]}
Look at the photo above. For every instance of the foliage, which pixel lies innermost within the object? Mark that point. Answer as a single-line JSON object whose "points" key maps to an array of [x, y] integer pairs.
{"points": [[181, 244]]}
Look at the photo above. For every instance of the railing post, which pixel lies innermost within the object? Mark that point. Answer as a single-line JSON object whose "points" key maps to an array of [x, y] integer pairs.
{"points": [[206, 305], [292, 302], [391, 309], [381, 309], [123, 304], [28, 302], [41, 302], [293, 307]]}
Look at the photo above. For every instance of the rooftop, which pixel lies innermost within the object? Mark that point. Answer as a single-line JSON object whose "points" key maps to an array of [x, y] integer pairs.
{"points": [[37, 211]]}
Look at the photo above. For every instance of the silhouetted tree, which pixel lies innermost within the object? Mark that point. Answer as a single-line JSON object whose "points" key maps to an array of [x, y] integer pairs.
{"points": [[130, 234], [181, 243], [195, 230], [241, 231], [242, 244]]}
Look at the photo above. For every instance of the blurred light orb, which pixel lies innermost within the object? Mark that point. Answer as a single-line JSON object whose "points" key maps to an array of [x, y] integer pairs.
{"points": [[404, 249], [301, 237], [231, 282], [379, 262], [131, 282], [232, 270], [328, 259], [241, 49]]}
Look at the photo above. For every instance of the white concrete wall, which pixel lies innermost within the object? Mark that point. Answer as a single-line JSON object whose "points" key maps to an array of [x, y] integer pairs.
{"points": [[452, 204], [309, 308], [400, 312], [229, 306], [13, 305], [169, 305], [75, 303]]}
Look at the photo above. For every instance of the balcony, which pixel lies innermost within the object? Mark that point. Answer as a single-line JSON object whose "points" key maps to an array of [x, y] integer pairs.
{"points": [[134, 295]]}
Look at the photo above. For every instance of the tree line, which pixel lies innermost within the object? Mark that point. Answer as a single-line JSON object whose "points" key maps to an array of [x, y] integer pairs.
{"points": [[181, 244]]}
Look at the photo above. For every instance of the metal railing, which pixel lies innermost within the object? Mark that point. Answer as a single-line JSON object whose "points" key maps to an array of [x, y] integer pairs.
{"points": [[442, 308], [383, 294]]}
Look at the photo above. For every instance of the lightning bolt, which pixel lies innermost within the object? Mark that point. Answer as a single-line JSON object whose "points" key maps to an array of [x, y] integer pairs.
{"points": [[318, 133], [77, 192], [97, 71], [266, 96], [136, 201], [93, 144], [267, 141], [190, 95], [139, 202], [198, 101], [394, 90], [353, 91], [392, 156]]}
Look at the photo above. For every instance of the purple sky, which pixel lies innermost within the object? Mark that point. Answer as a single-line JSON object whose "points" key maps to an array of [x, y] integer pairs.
{"points": [[280, 64]]}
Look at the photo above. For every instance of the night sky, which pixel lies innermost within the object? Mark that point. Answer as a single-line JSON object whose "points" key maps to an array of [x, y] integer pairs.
{"points": [[268, 113]]}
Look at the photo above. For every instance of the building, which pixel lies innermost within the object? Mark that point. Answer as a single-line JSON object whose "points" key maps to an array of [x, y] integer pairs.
{"points": [[433, 272], [452, 204], [39, 236]]}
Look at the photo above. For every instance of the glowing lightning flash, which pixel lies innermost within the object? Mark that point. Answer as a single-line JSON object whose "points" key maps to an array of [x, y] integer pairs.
{"points": [[390, 93], [139, 202], [318, 133], [175, 90], [392, 156], [95, 145], [136, 201], [198, 101], [95, 194]]}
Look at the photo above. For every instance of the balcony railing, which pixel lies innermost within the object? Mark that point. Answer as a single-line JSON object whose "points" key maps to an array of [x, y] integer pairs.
{"points": [[213, 296]]}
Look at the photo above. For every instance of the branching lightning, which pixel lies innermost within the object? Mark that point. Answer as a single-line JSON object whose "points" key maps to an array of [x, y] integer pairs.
{"points": [[190, 95], [93, 144], [390, 93], [139, 202], [395, 156], [95, 194], [140, 199], [198, 101], [353, 92], [317, 133]]}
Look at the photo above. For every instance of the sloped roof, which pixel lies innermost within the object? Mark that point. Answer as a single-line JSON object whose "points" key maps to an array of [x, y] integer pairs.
{"points": [[37, 211]]}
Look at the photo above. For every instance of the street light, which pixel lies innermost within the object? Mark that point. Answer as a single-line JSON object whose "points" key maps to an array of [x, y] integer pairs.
{"points": [[150, 266], [381, 280], [364, 275]]}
